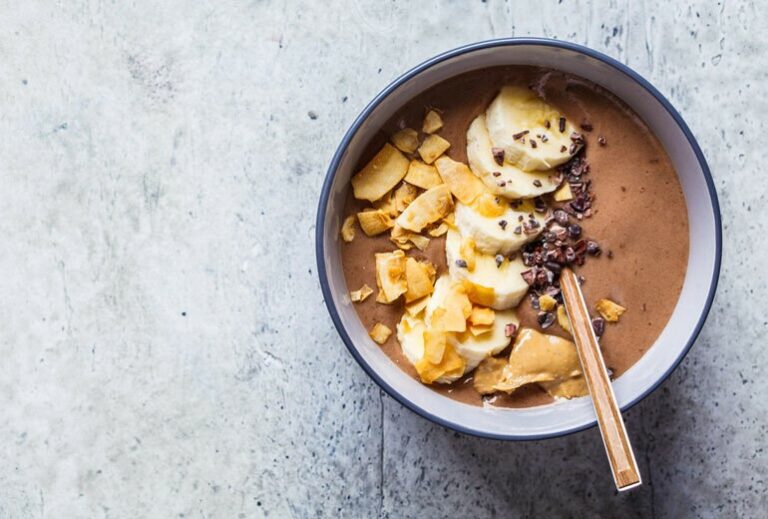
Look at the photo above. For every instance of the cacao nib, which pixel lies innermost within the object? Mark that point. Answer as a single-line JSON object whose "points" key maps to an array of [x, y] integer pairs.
{"points": [[561, 125], [510, 329], [503, 224], [593, 248], [561, 216], [529, 276], [574, 230], [461, 263], [598, 325], [545, 319]]}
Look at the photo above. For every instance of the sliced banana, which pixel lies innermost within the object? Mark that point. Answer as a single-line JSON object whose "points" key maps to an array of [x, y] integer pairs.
{"points": [[473, 349], [410, 334], [505, 280], [496, 235], [506, 180], [528, 130]]}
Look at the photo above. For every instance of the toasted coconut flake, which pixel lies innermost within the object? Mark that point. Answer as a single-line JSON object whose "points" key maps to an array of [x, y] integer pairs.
{"points": [[348, 228], [482, 316], [390, 275], [420, 241], [428, 207], [479, 329], [609, 310], [422, 175], [387, 204], [434, 346], [547, 302], [432, 147], [450, 220], [432, 122], [451, 364], [563, 193], [467, 252], [460, 180], [438, 231], [374, 221], [416, 307], [488, 374], [406, 239], [404, 195], [380, 175], [380, 333], [452, 315], [406, 140], [360, 295], [478, 294], [562, 319], [420, 279]]}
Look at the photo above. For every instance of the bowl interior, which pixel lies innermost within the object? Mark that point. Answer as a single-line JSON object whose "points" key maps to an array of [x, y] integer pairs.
{"points": [[703, 263]]}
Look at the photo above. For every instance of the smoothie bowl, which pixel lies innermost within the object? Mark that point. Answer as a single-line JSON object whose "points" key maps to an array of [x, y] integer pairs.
{"points": [[463, 189]]}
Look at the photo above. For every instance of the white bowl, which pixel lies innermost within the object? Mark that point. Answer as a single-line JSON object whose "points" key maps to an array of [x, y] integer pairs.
{"points": [[703, 218]]}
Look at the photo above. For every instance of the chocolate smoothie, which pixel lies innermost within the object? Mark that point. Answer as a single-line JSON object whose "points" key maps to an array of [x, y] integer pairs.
{"points": [[638, 217]]}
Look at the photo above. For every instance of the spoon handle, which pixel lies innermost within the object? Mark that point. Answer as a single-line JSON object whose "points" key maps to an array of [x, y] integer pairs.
{"points": [[620, 456]]}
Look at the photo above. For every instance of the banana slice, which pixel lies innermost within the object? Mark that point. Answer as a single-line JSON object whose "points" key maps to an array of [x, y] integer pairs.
{"points": [[504, 281], [528, 130], [506, 179], [497, 234], [410, 334], [473, 349]]}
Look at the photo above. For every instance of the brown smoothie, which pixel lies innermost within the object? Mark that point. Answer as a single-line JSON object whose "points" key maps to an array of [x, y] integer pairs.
{"points": [[639, 217]]}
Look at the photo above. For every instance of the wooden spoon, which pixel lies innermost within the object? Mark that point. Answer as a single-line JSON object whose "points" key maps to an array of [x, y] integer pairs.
{"points": [[623, 464]]}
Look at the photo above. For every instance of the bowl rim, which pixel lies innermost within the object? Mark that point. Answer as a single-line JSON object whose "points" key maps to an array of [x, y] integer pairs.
{"points": [[395, 84]]}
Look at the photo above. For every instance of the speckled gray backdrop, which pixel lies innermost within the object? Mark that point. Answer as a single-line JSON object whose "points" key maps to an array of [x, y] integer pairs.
{"points": [[165, 351]]}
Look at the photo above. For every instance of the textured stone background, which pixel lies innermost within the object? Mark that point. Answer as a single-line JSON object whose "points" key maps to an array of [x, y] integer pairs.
{"points": [[165, 351]]}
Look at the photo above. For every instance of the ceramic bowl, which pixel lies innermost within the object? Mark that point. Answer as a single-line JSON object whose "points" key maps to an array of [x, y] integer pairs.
{"points": [[678, 336]]}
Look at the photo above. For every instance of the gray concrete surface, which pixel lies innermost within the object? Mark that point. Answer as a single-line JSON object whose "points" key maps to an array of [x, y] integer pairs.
{"points": [[165, 349]]}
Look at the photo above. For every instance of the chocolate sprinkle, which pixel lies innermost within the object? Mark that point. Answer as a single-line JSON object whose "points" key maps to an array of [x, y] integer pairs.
{"points": [[498, 155], [521, 134]]}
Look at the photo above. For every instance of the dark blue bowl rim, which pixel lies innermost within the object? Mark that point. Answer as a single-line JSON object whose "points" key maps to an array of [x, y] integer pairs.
{"points": [[320, 223]]}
